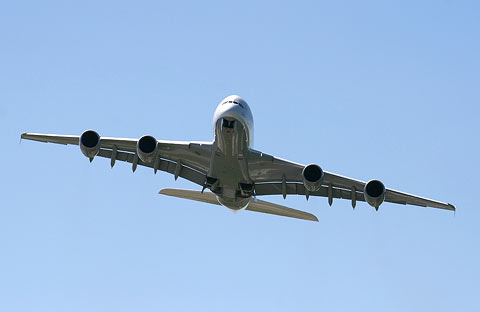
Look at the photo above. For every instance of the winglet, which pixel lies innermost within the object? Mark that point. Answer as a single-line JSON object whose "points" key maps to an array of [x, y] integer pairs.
{"points": [[453, 208]]}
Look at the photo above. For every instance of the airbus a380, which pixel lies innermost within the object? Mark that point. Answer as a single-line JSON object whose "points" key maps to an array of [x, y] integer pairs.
{"points": [[230, 172]]}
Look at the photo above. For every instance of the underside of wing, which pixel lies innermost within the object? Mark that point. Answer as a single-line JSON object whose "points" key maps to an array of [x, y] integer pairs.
{"points": [[204, 197], [279, 210], [258, 205], [188, 160], [391, 196], [270, 175], [276, 176]]}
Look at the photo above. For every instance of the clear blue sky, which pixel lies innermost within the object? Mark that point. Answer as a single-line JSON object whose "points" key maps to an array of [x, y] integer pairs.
{"points": [[370, 89]]}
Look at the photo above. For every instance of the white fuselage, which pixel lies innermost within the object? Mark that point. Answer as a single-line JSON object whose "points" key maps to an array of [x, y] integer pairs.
{"points": [[233, 136]]}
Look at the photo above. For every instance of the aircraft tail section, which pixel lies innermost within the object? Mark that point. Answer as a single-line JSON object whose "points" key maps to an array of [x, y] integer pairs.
{"points": [[258, 205]]}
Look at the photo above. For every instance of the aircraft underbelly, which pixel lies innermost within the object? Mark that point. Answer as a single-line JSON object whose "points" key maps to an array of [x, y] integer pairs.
{"points": [[229, 165]]}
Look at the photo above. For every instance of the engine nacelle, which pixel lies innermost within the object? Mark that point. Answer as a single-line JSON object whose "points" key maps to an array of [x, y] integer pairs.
{"points": [[147, 148], [312, 177], [89, 143], [374, 193]]}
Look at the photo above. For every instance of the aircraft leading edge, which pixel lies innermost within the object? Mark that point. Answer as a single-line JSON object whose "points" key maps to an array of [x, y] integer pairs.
{"points": [[230, 172]]}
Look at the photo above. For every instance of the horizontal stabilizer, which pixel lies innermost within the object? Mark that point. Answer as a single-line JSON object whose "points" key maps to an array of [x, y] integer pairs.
{"points": [[258, 205]]}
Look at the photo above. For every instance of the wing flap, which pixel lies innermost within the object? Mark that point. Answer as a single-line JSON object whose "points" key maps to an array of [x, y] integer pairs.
{"points": [[299, 189], [163, 165]]}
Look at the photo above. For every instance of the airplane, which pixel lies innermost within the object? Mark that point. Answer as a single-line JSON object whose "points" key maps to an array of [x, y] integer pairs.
{"points": [[230, 172]]}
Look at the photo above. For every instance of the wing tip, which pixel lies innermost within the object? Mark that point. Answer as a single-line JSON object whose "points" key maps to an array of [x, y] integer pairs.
{"points": [[306, 217], [451, 207], [164, 191]]}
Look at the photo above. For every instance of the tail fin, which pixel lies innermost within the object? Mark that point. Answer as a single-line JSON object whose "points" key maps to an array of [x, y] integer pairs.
{"points": [[258, 205]]}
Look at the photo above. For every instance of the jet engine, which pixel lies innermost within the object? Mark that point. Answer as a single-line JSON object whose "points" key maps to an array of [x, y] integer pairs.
{"points": [[89, 143], [312, 177], [147, 148], [374, 193]]}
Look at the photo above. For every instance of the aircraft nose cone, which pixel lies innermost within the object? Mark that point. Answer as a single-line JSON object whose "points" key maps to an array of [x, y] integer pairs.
{"points": [[234, 99]]}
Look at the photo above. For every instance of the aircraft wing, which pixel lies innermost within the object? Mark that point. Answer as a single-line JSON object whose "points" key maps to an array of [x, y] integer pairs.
{"points": [[189, 160], [276, 176]]}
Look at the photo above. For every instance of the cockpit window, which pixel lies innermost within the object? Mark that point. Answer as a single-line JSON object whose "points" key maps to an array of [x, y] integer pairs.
{"points": [[234, 102]]}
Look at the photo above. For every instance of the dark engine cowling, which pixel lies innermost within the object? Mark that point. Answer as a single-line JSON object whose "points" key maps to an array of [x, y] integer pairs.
{"points": [[89, 143], [312, 177], [374, 193], [147, 148]]}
